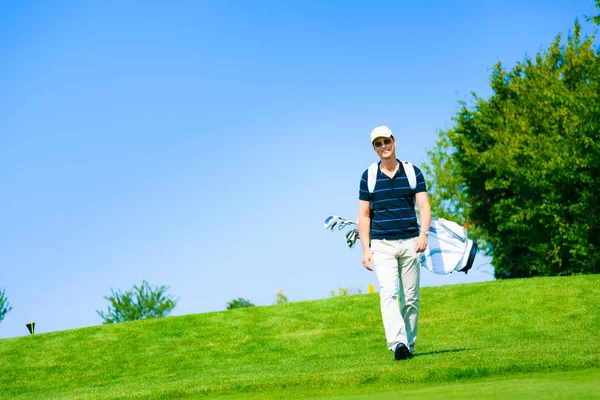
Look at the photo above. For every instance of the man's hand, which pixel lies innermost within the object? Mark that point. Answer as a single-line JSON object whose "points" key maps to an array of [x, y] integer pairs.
{"points": [[367, 260], [420, 243]]}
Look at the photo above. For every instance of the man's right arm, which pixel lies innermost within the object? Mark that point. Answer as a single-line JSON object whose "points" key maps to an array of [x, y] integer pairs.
{"points": [[364, 231]]}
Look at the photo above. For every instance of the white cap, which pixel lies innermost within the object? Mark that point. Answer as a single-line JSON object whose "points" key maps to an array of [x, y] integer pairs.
{"points": [[380, 131]]}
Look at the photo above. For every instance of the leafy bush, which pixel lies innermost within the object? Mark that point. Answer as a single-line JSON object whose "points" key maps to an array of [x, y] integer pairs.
{"points": [[140, 302], [239, 303]]}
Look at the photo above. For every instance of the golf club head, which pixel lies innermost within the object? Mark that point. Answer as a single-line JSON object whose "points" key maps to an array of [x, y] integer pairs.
{"points": [[335, 225], [352, 236], [329, 221]]}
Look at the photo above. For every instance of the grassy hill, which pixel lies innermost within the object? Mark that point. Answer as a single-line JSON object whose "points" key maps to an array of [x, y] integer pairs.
{"points": [[526, 330]]}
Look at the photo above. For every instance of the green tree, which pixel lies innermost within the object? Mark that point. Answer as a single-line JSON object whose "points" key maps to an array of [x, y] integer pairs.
{"points": [[522, 168], [595, 20], [4, 305], [447, 188], [144, 301], [281, 298], [239, 303]]}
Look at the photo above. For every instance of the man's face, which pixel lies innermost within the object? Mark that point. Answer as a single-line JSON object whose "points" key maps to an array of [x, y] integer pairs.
{"points": [[384, 146]]}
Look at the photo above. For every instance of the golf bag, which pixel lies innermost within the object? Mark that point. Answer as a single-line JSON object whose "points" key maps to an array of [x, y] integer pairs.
{"points": [[448, 247]]}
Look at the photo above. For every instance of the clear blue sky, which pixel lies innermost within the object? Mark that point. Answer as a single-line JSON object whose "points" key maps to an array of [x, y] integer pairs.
{"points": [[200, 145]]}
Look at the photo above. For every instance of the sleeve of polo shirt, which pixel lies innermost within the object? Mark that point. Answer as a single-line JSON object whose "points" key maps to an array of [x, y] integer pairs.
{"points": [[363, 193], [421, 185]]}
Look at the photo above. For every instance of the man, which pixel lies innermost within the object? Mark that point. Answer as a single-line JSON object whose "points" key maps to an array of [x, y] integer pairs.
{"points": [[391, 240]]}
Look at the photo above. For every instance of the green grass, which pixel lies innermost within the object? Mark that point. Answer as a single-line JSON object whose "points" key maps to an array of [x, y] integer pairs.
{"points": [[492, 337], [548, 386]]}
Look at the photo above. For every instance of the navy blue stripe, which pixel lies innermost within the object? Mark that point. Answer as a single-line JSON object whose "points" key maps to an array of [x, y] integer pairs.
{"points": [[389, 230], [387, 178], [393, 209], [381, 221], [385, 200]]}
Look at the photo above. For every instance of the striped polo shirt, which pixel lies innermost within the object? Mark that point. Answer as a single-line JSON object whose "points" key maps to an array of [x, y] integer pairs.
{"points": [[393, 214]]}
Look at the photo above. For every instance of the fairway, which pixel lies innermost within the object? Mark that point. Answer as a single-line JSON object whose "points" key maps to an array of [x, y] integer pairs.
{"points": [[583, 384], [551, 386], [522, 338]]}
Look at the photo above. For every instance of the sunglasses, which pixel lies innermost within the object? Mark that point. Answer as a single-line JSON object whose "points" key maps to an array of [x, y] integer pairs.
{"points": [[385, 141]]}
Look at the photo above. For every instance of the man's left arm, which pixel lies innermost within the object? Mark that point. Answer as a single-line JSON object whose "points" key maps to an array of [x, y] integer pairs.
{"points": [[425, 214]]}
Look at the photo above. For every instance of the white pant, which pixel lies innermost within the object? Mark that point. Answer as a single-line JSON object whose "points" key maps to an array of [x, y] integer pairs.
{"points": [[398, 271]]}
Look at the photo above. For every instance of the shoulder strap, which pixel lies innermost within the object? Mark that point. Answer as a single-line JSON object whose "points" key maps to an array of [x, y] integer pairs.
{"points": [[409, 170], [372, 176]]}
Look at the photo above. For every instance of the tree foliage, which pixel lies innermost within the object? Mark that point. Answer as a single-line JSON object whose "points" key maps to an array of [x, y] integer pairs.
{"points": [[4, 304], [522, 168], [281, 298], [239, 303], [595, 20], [448, 190], [144, 301]]}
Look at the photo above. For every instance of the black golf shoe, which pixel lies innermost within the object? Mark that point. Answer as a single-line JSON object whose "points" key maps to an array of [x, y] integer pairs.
{"points": [[402, 352]]}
